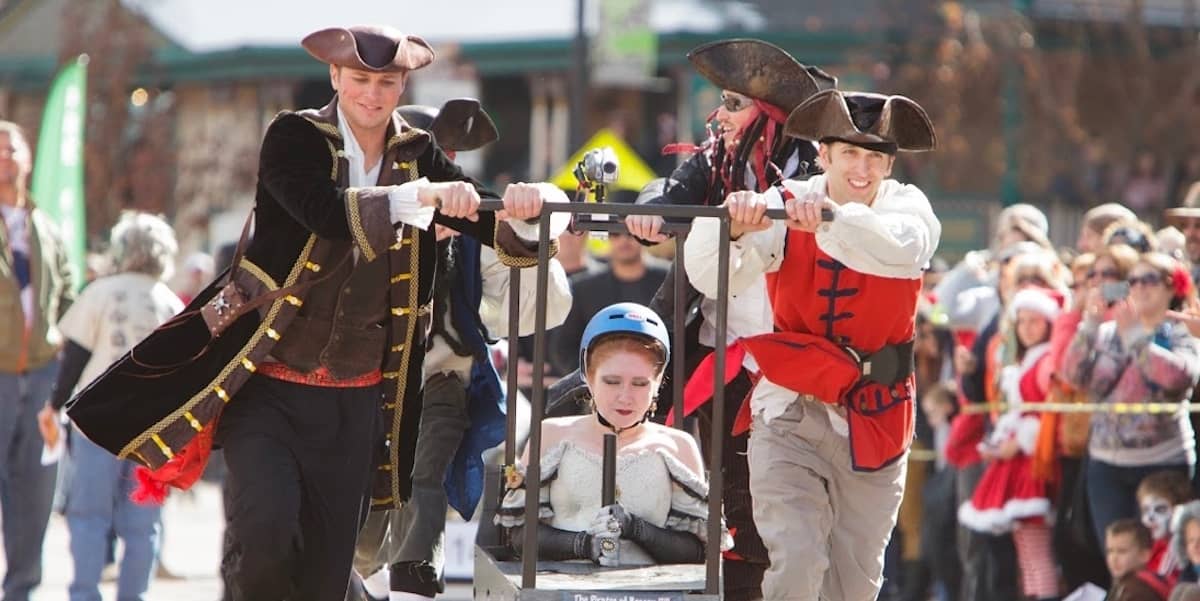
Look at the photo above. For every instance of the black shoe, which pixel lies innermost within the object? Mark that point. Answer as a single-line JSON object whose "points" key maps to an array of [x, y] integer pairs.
{"points": [[418, 577]]}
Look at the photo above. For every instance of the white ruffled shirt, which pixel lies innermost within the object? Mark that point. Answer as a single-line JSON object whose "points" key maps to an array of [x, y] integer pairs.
{"points": [[403, 204]]}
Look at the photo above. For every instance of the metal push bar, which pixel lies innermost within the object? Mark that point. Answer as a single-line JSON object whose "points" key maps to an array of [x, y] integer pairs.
{"points": [[538, 400]]}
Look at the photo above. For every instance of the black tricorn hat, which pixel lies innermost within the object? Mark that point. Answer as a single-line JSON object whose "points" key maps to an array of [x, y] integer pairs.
{"points": [[460, 125], [758, 70], [369, 48], [863, 118]]}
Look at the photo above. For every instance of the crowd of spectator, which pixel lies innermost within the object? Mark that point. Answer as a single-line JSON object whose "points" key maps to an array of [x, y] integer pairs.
{"points": [[1055, 454]]}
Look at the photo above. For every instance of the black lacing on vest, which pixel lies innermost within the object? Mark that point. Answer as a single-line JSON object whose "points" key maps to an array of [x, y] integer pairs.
{"points": [[832, 294]]}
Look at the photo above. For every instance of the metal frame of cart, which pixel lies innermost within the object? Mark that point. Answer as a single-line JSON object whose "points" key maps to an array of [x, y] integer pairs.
{"points": [[498, 579]]}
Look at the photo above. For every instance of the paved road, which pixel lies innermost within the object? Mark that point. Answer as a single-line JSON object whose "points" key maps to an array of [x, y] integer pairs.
{"points": [[192, 549]]}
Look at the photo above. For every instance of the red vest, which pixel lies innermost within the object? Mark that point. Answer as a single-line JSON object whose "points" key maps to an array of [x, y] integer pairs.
{"points": [[821, 306]]}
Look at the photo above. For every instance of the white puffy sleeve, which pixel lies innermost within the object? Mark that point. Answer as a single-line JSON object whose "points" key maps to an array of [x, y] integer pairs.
{"points": [[493, 307], [689, 502], [894, 238], [750, 256], [511, 512]]}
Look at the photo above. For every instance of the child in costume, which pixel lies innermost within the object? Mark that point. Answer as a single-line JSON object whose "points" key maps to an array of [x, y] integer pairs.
{"points": [[1009, 497]]}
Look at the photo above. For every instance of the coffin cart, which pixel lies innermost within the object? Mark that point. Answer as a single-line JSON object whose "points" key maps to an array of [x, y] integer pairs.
{"points": [[499, 575]]}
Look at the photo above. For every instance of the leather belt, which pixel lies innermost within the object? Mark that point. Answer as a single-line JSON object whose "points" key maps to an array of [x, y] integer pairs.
{"points": [[319, 377]]}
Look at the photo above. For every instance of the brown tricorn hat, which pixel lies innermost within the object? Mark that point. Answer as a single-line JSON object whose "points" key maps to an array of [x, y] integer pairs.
{"points": [[1190, 209], [758, 70], [369, 48], [460, 125], [863, 118], [824, 80]]}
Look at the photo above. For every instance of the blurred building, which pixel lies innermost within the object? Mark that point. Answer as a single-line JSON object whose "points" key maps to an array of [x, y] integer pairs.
{"points": [[196, 89]]}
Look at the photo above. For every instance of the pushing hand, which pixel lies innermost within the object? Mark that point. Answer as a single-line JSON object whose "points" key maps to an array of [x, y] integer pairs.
{"points": [[747, 213], [452, 199], [523, 201], [804, 212], [646, 227]]}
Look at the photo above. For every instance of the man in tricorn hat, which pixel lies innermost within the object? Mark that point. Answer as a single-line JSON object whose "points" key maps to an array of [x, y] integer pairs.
{"points": [[833, 411], [463, 402], [318, 333], [1187, 218], [746, 150]]}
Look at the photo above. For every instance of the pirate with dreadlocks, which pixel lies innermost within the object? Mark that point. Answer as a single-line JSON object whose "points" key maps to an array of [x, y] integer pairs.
{"points": [[745, 150]]}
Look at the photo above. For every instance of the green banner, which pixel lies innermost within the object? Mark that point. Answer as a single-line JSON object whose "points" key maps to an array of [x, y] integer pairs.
{"points": [[625, 49], [58, 168]]}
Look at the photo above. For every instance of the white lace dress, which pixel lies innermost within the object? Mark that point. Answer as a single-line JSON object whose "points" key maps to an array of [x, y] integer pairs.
{"points": [[651, 484]]}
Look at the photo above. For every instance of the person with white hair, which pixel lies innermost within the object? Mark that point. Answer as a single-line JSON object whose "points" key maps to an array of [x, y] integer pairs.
{"points": [[112, 314]]}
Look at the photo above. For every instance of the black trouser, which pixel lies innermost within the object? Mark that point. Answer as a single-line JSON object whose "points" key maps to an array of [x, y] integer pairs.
{"points": [[989, 561], [747, 561], [299, 460]]}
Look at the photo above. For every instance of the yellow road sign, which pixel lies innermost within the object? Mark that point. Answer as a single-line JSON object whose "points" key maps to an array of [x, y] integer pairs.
{"points": [[634, 173]]}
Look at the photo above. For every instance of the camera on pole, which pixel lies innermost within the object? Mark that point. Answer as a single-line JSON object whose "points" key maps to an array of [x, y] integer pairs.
{"points": [[597, 170]]}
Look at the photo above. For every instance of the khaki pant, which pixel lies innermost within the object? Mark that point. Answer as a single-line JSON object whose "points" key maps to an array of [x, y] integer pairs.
{"points": [[825, 526]]}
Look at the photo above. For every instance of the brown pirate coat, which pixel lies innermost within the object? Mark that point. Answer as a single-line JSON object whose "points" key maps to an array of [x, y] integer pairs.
{"points": [[175, 383]]}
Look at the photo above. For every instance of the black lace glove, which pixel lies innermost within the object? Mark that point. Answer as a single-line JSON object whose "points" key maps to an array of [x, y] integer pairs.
{"points": [[664, 545], [555, 544]]}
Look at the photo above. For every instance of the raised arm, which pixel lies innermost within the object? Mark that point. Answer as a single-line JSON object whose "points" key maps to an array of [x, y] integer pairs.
{"points": [[895, 237]]}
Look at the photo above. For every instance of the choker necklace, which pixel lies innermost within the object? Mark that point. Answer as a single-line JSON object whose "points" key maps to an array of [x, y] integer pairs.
{"points": [[616, 430]]}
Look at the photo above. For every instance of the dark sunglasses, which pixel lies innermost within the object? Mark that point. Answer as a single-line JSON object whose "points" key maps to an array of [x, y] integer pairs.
{"points": [[735, 102], [1131, 237], [1025, 280], [1149, 279], [1107, 274]]}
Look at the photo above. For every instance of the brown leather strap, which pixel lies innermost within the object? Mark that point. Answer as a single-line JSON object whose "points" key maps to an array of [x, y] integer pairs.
{"points": [[274, 294], [244, 309]]}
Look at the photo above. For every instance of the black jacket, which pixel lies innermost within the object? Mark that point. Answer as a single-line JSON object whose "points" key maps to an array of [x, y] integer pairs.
{"points": [[173, 385]]}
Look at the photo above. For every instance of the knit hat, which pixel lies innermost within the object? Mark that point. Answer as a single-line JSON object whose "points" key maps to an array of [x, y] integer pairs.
{"points": [[1048, 303]]}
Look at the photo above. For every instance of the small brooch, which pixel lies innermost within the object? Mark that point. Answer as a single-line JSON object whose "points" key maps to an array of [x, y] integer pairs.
{"points": [[221, 304], [513, 478]]}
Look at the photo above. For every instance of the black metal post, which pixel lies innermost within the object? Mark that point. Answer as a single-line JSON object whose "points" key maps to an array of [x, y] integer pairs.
{"points": [[514, 335], [680, 311], [712, 581], [579, 79], [533, 472], [608, 477]]}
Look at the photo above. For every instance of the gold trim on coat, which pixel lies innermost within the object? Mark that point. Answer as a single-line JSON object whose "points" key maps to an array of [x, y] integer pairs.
{"points": [[356, 226], [235, 363]]}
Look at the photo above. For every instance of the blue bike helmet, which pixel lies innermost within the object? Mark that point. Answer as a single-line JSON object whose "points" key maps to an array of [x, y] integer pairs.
{"points": [[623, 318]]}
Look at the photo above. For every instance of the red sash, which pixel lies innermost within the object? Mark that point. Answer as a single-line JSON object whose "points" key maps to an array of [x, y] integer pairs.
{"points": [[880, 417]]}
